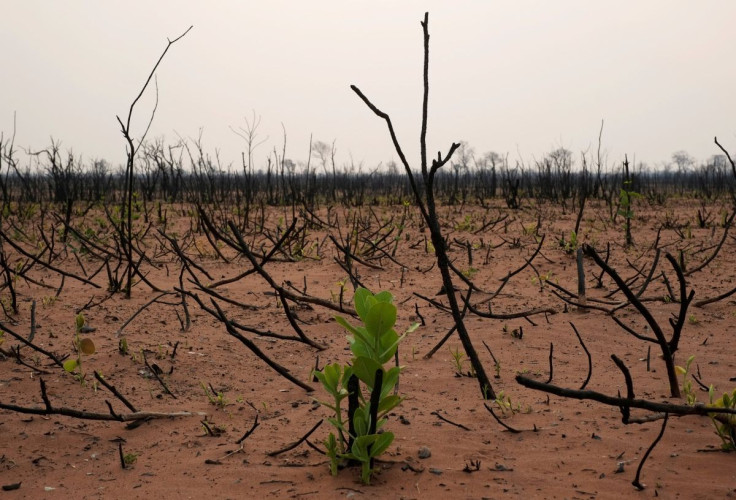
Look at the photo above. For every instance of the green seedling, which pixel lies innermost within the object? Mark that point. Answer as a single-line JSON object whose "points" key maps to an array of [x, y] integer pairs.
{"points": [[466, 224], [160, 353], [457, 363], [216, 398], [470, 272], [687, 384], [516, 333], [725, 424], [692, 319], [571, 245], [336, 297], [82, 346], [505, 404], [530, 229], [429, 248], [457, 360], [130, 458], [625, 198], [373, 343], [123, 346]]}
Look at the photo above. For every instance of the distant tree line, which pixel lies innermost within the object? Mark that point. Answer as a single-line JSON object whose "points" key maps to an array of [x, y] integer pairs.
{"points": [[185, 172]]}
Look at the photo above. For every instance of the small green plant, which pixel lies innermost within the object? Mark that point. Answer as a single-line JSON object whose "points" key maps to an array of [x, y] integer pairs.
{"points": [[725, 424], [505, 404], [571, 245], [466, 224], [687, 384], [470, 272], [123, 346], [373, 343], [82, 346], [216, 398], [457, 360], [692, 319], [335, 297], [530, 229], [516, 333], [542, 279], [160, 353], [458, 357], [625, 198], [130, 458], [429, 247]]}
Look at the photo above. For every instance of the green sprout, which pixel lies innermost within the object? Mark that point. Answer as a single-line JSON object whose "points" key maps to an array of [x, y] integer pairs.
{"points": [[373, 344], [457, 359], [216, 398], [82, 346]]}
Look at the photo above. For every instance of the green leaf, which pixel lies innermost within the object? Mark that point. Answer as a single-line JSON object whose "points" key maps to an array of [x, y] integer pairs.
{"points": [[70, 365], [360, 447], [332, 375], [365, 369], [346, 375], [381, 422], [79, 321], [384, 296], [389, 380], [359, 299], [361, 421], [389, 403], [363, 349], [388, 344], [360, 334], [320, 376], [380, 318], [412, 328], [342, 321], [382, 442]]}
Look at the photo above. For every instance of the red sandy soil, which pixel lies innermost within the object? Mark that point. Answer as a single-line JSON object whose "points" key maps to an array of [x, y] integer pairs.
{"points": [[580, 449]]}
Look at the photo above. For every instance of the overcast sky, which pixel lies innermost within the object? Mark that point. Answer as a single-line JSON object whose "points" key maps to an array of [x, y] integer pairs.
{"points": [[521, 77]]}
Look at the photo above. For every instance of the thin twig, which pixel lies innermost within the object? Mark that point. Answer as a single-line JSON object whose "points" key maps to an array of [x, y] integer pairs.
{"points": [[297, 442], [636, 482]]}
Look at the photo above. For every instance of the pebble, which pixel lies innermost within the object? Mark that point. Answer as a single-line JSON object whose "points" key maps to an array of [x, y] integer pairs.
{"points": [[425, 452]]}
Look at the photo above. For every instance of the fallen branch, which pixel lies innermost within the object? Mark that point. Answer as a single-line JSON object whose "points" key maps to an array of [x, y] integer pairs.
{"points": [[86, 415]]}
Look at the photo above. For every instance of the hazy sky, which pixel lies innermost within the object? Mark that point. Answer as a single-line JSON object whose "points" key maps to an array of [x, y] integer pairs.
{"points": [[516, 77]]}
